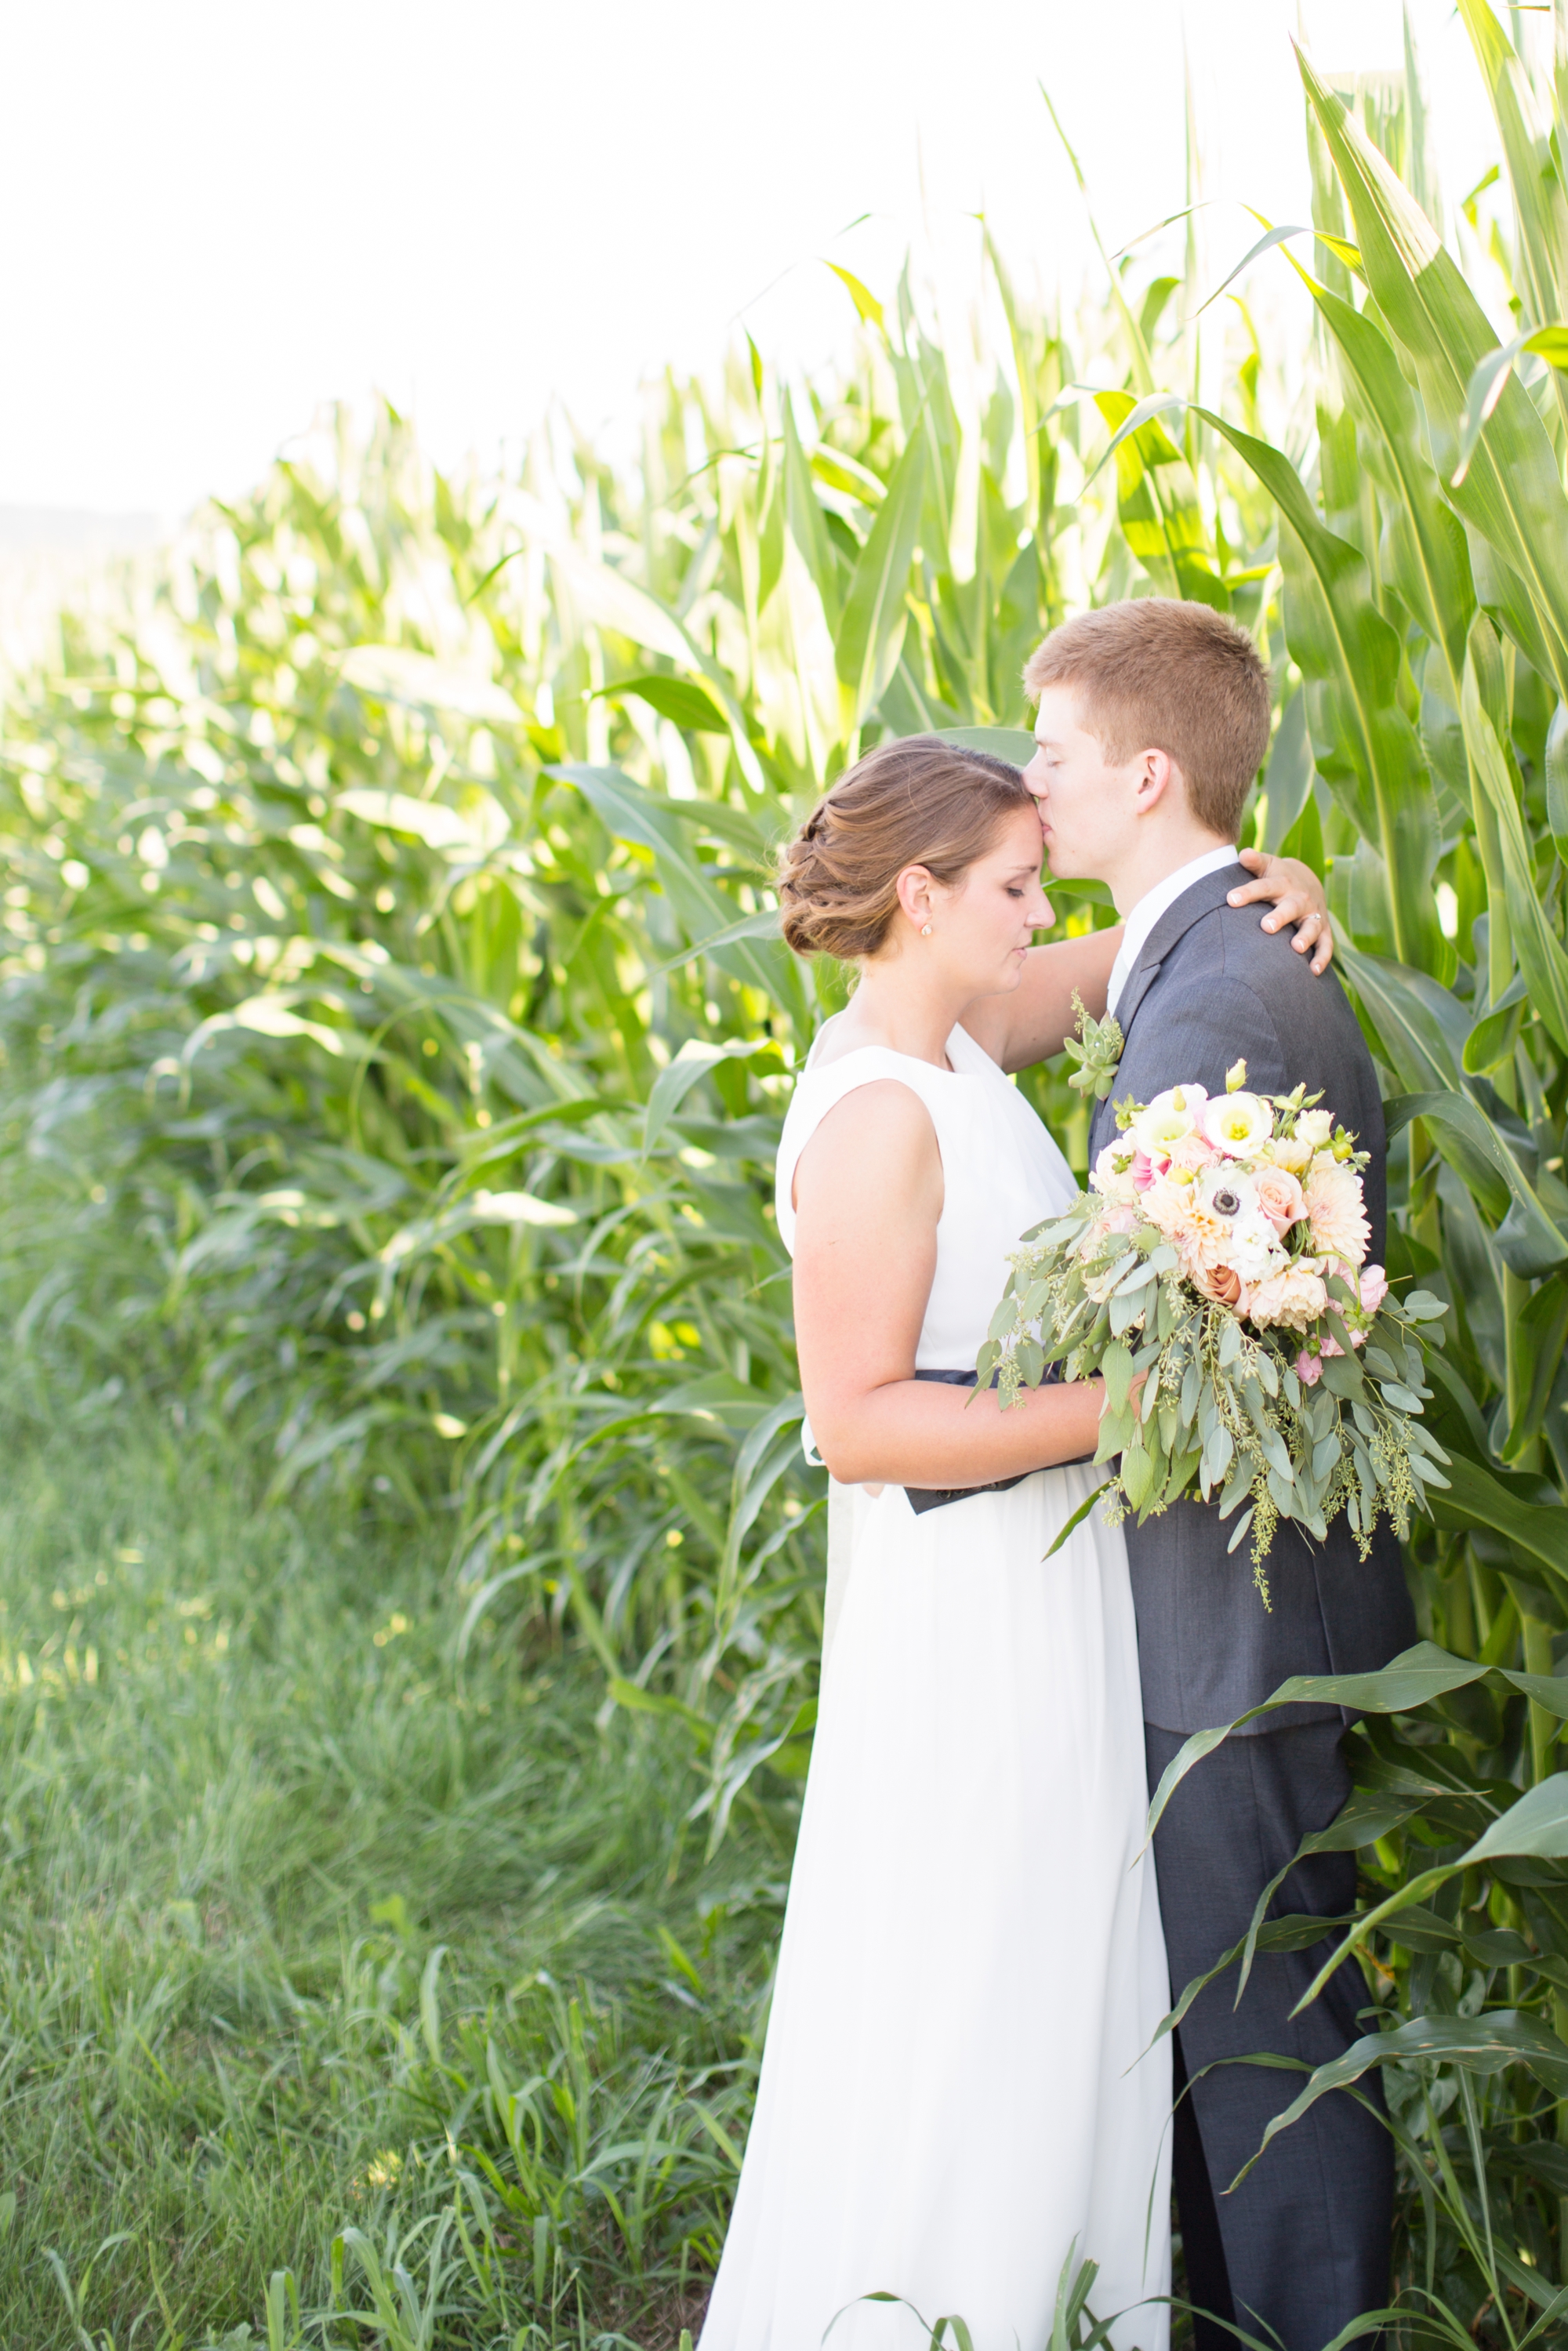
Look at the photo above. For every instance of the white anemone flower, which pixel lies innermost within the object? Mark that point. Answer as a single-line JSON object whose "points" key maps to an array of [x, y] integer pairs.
{"points": [[1169, 1117], [1226, 1192], [1237, 1124]]}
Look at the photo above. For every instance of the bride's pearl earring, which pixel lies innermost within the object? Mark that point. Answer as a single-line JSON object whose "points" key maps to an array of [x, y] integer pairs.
{"points": [[925, 930]]}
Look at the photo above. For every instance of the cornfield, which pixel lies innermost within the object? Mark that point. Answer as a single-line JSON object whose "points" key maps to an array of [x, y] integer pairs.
{"points": [[397, 1034]]}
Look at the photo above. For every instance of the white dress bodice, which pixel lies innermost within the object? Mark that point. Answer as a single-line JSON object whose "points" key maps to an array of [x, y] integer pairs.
{"points": [[1001, 1172]]}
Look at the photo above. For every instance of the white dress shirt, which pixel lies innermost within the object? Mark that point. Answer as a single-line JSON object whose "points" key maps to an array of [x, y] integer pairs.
{"points": [[1151, 906]]}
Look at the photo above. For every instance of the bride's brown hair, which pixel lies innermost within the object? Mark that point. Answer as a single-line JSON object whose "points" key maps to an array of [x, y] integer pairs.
{"points": [[920, 801]]}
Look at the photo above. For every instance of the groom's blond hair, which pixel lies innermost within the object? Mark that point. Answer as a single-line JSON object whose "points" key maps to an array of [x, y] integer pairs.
{"points": [[1159, 676]]}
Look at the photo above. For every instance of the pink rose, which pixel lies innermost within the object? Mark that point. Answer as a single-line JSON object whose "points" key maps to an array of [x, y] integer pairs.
{"points": [[1193, 1153], [1281, 1197], [1219, 1283], [1143, 1170], [1373, 1289], [1309, 1370]]}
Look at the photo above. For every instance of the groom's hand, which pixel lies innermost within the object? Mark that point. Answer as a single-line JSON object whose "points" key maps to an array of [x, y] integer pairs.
{"points": [[1298, 897]]}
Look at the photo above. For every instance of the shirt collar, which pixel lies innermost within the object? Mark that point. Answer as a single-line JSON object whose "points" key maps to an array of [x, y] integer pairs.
{"points": [[1141, 922]]}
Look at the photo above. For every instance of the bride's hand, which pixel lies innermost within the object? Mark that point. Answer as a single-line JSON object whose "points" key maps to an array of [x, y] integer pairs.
{"points": [[1298, 897]]}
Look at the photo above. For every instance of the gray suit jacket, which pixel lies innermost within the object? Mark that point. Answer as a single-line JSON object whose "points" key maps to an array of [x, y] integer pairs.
{"points": [[1212, 986]]}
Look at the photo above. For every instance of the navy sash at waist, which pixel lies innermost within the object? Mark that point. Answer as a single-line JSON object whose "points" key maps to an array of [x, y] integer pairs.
{"points": [[933, 1498]]}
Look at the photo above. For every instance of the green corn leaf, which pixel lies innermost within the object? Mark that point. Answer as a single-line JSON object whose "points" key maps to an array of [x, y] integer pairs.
{"points": [[1511, 493], [397, 673], [632, 813], [1008, 743], [1424, 547], [1492, 1039], [1482, 2045], [870, 631], [678, 699], [1412, 1679], [1369, 1814], [847, 475], [1557, 779], [866, 304], [1548, 1690], [1537, 1532], [1527, 1240], [1489, 379], [761, 925], [696, 1058], [1288, 777], [1366, 748], [624, 606], [1530, 152], [1540, 955], [807, 524], [1421, 1026], [1542, 1332], [1534, 1828], [1162, 520]]}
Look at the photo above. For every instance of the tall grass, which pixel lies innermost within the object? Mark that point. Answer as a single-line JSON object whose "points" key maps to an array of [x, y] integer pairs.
{"points": [[311, 1931], [396, 1035]]}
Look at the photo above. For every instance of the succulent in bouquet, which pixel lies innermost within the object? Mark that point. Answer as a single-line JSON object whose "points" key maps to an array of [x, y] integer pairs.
{"points": [[1215, 1273]]}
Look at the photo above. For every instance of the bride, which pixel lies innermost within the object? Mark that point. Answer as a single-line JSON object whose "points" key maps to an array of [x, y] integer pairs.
{"points": [[960, 2098]]}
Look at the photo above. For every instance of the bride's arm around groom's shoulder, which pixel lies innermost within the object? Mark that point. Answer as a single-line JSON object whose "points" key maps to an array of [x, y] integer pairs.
{"points": [[1032, 1023]]}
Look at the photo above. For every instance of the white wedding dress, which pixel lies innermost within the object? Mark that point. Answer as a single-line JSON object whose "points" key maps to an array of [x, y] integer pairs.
{"points": [[958, 2090]]}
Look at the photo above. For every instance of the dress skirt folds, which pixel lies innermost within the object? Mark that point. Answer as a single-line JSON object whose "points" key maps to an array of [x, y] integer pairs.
{"points": [[961, 2090]]}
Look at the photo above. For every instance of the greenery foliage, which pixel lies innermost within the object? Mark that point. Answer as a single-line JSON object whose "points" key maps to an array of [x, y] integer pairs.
{"points": [[396, 1036]]}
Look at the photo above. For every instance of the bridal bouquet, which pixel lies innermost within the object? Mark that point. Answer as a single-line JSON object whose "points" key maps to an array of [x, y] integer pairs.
{"points": [[1220, 1253]]}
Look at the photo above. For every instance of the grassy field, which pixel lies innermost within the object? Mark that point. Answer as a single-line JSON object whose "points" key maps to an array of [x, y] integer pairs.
{"points": [[307, 1923]]}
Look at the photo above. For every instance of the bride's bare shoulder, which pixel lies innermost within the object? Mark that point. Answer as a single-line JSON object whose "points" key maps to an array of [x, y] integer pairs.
{"points": [[875, 1142]]}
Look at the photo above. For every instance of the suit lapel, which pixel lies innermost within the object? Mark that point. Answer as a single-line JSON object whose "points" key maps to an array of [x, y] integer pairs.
{"points": [[1173, 925]]}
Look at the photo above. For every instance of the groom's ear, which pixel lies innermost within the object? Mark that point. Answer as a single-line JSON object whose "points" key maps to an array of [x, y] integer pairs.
{"points": [[1158, 777]]}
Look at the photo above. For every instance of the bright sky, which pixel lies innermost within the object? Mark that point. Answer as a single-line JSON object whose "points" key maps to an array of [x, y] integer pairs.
{"points": [[219, 216]]}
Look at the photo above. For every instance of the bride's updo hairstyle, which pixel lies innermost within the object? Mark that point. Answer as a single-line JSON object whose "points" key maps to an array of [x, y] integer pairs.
{"points": [[920, 801]]}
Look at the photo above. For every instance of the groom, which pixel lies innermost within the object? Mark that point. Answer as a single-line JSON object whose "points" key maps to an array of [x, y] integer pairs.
{"points": [[1153, 720]]}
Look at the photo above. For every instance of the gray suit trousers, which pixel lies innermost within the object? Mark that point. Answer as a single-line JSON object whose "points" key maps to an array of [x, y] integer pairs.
{"points": [[1303, 2244]]}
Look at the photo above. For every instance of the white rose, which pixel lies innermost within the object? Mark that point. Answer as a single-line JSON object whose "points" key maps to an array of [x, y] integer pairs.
{"points": [[1316, 1127], [1112, 1176], [1254, 1250]]}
